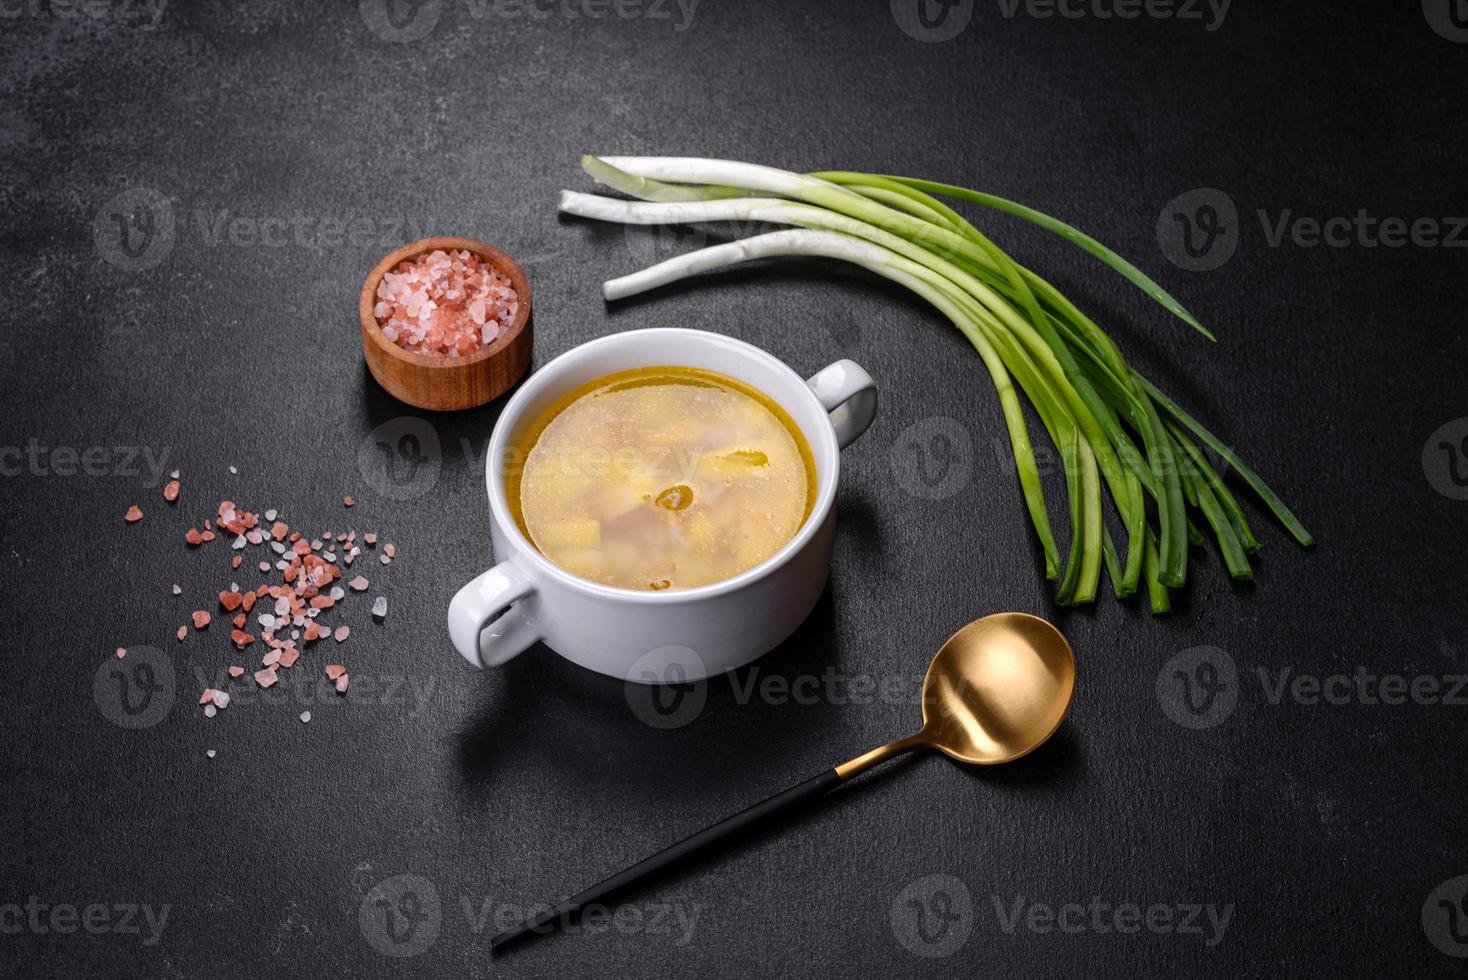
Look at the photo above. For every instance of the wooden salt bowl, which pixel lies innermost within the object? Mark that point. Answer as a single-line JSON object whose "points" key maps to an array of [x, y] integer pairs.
{"points": [[448, 384]]}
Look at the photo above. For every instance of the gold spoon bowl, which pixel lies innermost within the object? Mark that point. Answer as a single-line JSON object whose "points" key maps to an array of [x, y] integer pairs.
{"points": [[997, 690]]}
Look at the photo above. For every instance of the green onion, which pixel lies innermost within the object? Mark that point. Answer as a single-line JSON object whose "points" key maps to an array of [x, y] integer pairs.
{"points": [[1093, 407]]}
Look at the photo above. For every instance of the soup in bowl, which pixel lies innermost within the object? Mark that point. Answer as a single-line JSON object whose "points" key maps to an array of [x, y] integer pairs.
{"points": [[661, 505], [663, 477]]}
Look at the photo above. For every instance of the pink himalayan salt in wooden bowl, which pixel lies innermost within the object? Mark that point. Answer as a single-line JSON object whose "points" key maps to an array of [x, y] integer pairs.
{"points": [[421, 330], [444, 304]]}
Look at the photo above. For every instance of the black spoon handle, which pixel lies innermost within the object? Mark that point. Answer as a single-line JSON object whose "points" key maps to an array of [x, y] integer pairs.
{"points": [[542, 923]]}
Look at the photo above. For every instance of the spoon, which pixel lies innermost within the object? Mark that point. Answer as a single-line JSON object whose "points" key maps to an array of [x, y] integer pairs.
{"points": [[995, 691]]}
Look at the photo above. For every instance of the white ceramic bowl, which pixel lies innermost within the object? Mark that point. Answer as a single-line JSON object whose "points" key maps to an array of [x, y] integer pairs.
{"points": [[681, 634]]}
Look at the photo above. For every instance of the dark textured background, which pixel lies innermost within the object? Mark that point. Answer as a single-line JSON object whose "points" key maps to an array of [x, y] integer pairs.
{"points": [[1325, 827]]}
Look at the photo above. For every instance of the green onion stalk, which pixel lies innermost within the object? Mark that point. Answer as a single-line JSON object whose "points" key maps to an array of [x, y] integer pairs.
{"points": [[1118, 436]]}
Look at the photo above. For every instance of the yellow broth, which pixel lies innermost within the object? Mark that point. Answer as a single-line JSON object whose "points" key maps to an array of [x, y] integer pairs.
{"points": [[662, 478]]}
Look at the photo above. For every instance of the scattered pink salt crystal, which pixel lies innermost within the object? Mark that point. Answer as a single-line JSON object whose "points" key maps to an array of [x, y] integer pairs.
{"points": [[349, 502], [306, 716], [133, 515], [309, 585]]}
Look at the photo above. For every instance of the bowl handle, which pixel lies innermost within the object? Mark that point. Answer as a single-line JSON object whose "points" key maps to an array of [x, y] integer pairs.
{"points": [[850, 395], [485, 628]]}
